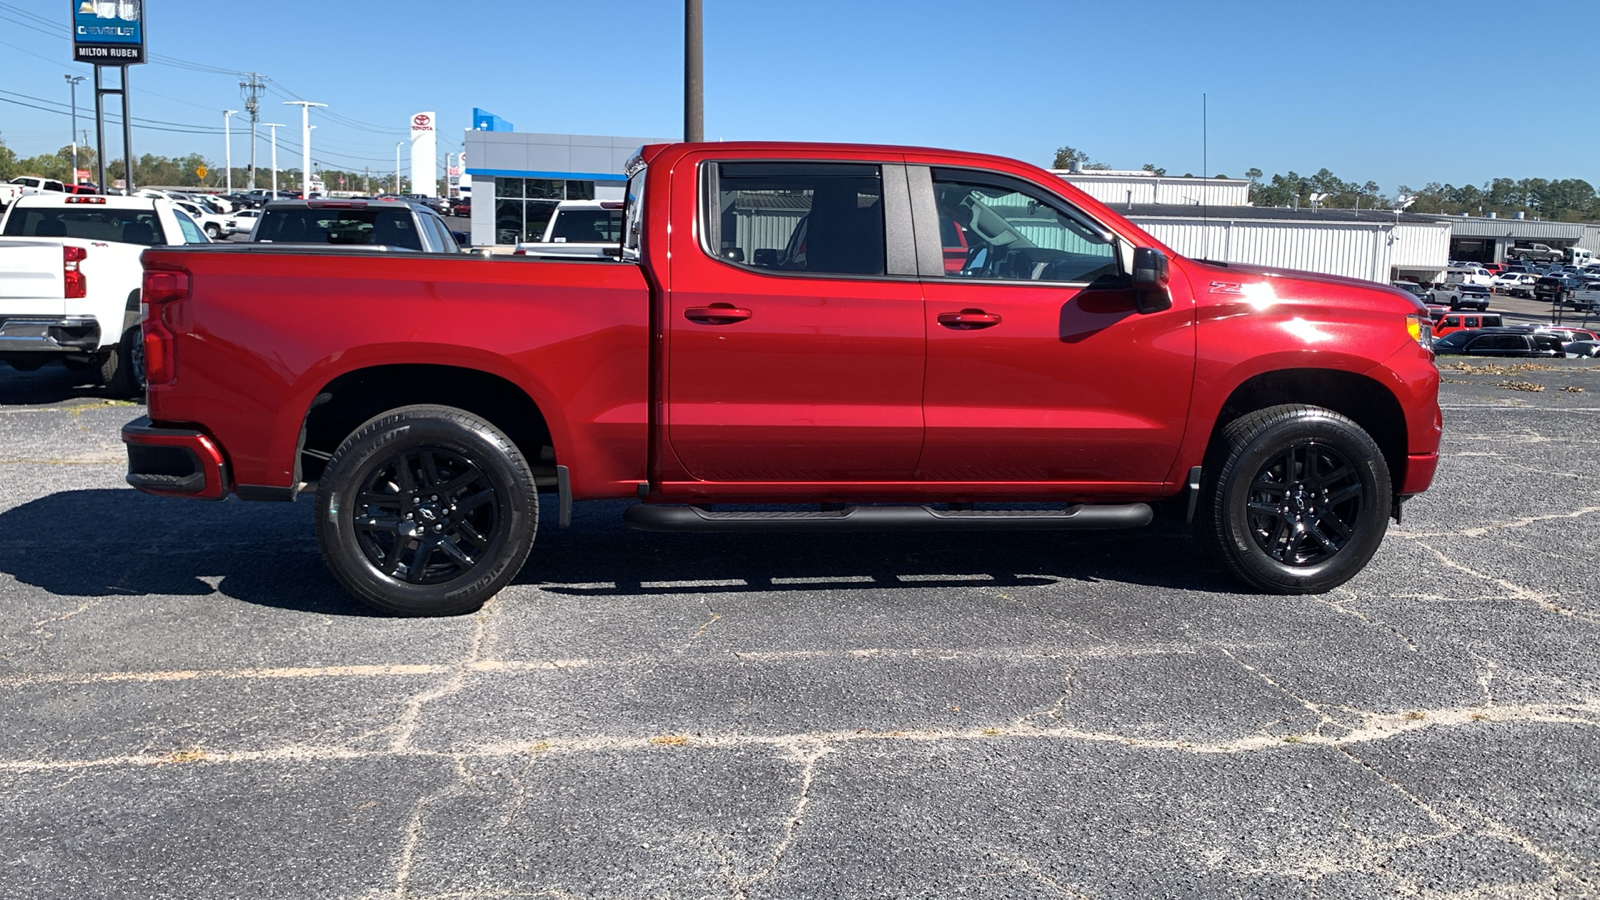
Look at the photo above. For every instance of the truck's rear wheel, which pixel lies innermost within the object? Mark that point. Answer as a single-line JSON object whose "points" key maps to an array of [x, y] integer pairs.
{"points": [[122, 366], [426, 511], [1295, 500]]}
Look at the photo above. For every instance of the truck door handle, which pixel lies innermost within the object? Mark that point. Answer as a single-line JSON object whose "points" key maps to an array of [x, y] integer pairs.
{"points": [[716, 314], [968, 319]]}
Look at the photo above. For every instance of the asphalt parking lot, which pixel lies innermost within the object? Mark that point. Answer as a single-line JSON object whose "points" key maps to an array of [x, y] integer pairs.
{"points": [[194, 709]]}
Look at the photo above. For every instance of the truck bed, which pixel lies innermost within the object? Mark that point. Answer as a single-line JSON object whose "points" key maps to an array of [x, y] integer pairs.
{"points": [[266, 330]]}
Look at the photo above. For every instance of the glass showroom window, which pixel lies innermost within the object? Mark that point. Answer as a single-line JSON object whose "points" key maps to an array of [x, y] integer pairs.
{"points": [[523, 206]]}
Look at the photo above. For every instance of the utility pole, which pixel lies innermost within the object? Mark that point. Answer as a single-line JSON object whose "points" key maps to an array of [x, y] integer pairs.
{"points": [[227, 140], [72, 82], [274, 126], [305, 144], [694, 120], [251, 91]]}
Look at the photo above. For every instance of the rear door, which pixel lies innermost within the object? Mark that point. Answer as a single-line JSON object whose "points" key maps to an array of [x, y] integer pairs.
{"points": [[1040, 369], [794, 325]]}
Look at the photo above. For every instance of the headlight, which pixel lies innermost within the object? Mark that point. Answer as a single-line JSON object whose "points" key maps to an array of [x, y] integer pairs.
{"points": [[1421, 330]]}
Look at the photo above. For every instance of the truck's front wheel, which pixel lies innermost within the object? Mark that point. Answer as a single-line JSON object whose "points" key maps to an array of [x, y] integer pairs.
{"points": [[1295, 499], [426, 511]]}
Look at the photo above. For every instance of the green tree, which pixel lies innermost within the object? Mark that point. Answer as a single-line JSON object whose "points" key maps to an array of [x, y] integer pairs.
{"points": [[1066, 156]]}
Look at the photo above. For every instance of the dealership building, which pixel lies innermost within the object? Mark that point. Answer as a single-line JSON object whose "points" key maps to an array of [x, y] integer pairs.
{"points": [[517, 178]]}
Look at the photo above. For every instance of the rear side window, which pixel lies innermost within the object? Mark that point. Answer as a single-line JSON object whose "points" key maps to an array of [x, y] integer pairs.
{"points": [[127, 226], [798, 217], [340, 226]]}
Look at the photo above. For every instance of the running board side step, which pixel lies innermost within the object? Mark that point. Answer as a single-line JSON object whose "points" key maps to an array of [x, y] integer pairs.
{"points": [[654, 517]]}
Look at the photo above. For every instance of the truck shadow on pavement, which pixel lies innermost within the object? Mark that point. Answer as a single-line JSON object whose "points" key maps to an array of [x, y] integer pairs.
{"points": [[100, 543], [52, 383]]}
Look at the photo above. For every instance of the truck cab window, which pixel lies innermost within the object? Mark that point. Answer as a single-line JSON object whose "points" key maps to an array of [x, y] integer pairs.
{"points": [[798, 217], [992, 230]]}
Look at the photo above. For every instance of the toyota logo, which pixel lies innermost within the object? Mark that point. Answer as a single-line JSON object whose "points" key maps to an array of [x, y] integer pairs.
{"points": [[421, 120]]}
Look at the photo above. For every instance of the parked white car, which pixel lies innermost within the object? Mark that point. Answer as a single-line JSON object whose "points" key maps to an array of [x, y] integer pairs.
{"points": [[584, 228], [215, 225], [1469, 275], [243, 221], [32, 184], [1517, 284], [70, 279]]}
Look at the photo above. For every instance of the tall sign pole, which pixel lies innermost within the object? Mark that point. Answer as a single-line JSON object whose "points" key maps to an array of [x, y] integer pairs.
{"points": [[274, 126], [305, 144], [693, 83], [227, 146], [72, 82], [110, 33]]}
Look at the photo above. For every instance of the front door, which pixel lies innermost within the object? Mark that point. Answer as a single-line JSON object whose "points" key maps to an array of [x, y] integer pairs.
{"points": [[1040, 369], [795, 334]]}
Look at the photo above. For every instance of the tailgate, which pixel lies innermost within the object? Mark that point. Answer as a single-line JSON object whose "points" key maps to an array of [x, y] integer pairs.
{"points": [[31, 281]]}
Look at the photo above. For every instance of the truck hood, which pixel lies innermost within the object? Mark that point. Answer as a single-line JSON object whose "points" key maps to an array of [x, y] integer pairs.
{"points": [[1292, 286]]}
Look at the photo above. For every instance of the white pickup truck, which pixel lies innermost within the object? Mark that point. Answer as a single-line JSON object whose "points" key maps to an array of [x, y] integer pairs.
{"points": [[588, 228], [70, 278]]}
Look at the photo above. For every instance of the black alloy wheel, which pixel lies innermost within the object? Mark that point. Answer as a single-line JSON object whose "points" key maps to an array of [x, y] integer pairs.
{"points": [[1305, 504], [425, 515], [426, 511], [1294, 499]]}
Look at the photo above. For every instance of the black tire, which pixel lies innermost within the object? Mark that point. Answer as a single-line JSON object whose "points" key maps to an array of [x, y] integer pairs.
{"points": [[414, 466], [1294, 499], [122, 366]]}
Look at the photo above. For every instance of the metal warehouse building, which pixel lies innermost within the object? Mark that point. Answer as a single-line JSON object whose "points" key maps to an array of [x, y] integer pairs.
{"points": [[1487, 238], [1211, 218]]}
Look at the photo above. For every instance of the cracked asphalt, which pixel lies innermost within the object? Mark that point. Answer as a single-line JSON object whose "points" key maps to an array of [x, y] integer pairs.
{"points": [[192, 708]]}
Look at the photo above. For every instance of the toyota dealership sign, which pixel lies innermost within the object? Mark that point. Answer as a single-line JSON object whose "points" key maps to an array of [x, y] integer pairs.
{"points": [[424, 155]]}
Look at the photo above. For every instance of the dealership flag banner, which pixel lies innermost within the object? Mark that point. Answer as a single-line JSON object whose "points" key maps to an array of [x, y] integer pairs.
{"points": [[424, 164]]}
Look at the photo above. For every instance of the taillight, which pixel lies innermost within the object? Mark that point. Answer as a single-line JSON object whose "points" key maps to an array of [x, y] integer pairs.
{"points": [[76, 285], [162, 289]]}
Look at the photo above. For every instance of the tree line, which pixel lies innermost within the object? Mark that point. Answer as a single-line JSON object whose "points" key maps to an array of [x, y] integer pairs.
{"points": [[1560, 200]]}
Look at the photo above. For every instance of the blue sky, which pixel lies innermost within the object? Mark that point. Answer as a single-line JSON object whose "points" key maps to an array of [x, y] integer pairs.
{"points": [[1395, 92]]}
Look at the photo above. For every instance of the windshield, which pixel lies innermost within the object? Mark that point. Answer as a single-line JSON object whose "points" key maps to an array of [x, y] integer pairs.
{"points": [[390, 227], [123, 226]]}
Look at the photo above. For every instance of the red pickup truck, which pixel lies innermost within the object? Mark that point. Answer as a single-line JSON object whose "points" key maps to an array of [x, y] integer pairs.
{"points": [[856, 337]]}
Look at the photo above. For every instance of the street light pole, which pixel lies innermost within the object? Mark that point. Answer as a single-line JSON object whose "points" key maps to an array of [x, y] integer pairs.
{"points": [[397, 146], [274, 126], [693, 81], [305, 144], [227, 142], [72, 82]]}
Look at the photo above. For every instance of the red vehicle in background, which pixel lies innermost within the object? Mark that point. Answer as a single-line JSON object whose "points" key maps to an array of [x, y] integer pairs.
{"points": [[789, 325]]}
